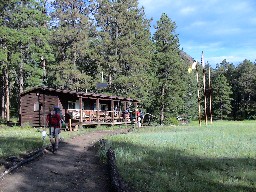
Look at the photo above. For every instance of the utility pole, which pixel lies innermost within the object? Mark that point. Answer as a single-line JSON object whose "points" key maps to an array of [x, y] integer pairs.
{"points": [[210, 94], [205, 96], [198, 95]]}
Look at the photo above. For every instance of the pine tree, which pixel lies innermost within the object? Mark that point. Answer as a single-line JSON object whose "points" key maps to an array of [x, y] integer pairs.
{"points": [[170, 85], [245, 95], [71, 39], [125, 47], [229, 71], [221, 97], [23, 43]]}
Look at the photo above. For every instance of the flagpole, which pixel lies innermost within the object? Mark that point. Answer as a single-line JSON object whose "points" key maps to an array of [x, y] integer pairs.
{"points": [[210, 94], [198, 96], [205, 98]]}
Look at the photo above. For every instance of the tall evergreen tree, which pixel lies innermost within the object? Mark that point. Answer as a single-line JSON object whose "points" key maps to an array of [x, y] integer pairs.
{"points": [[170, 85], [71, 29], [125, 47], [229, 71], [221, 97], [246, 97], [23, 43]]}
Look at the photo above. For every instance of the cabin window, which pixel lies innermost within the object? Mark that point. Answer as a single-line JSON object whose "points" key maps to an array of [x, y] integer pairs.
{"points": [[36, 106], [103, 107], [71, 105], [75, 104], [87, 106]]}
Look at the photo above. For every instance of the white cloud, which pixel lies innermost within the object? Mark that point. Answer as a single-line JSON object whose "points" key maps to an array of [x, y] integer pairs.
{"points": [[215, 52], [227, 30], [198, 24], [222, 29], [192, 45], [230, 58], [187, 10]]}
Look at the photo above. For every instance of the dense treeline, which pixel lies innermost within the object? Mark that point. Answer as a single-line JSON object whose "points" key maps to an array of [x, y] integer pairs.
{"points": [[72, 44]]}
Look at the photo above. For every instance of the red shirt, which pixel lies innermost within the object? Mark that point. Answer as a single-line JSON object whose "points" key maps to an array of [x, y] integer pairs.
{"points": [[53, 120]]}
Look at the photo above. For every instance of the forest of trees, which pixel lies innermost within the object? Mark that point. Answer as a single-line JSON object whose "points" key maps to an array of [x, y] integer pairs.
{"points": [[76, 41]]}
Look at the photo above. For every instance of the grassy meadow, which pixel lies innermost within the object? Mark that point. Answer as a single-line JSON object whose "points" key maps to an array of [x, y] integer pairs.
{"points": [[218, 157], [15, 141]]}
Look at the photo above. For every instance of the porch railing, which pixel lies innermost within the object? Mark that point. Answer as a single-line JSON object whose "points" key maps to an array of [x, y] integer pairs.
{"points": [[98, 116]]}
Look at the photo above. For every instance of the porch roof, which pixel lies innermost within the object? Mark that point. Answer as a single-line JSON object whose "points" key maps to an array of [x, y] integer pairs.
{"points": [[77, 94]]}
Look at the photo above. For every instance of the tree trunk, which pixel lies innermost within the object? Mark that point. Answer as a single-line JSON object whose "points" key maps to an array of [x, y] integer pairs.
{"points": [[21, 77], [3, 96], [75, 58], [162, 106], [7, 104], [109, 79]]}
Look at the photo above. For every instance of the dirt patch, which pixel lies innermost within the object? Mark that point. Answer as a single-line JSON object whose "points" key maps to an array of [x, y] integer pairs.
{"points": [[75, 167]]}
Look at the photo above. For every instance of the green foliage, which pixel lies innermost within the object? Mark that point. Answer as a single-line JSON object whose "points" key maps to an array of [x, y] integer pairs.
{"points": [[171, 121], [125, 49], [241, 79], [78, 40], [71, 39], [221, 97], [246, 89], [24, 42], [103, 147], [170, 83]]}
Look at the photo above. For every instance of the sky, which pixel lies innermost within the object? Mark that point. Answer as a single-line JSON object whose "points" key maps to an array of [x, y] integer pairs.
{"points": [[222, 29]]}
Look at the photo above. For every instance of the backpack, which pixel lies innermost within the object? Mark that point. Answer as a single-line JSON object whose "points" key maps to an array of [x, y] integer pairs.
{"points": [[57, 110], [53, 120]]}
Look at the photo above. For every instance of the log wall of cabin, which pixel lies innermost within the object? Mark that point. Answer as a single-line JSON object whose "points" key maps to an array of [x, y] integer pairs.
{"points": [[36, 117], [48, 98], [27, 109]]}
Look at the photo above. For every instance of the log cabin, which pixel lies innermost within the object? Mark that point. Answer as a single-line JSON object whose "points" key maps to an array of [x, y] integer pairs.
{"points": [[81, 107]]}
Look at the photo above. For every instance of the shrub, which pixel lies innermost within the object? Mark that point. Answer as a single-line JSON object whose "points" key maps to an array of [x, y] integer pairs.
{"points": [[171, 121]]}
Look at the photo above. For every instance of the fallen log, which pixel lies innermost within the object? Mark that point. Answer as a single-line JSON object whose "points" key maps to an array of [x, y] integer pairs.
{"points": [[36, 154]]}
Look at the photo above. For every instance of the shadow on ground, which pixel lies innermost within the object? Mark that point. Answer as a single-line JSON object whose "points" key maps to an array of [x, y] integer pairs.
{"points": [[75, 167], [173, 170]]}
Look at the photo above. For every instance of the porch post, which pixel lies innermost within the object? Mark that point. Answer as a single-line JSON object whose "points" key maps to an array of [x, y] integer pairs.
{"points": [[112, 111], [97, 108], [125, 105], [81, 109], [136, 114], [119, 111]]}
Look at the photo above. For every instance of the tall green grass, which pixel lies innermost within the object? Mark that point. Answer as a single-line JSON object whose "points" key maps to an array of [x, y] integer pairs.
{"points": [[218, 157], [15, 141]]}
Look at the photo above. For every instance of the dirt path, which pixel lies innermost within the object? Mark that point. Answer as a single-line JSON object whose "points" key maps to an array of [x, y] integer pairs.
{"points": [[75, 167]]}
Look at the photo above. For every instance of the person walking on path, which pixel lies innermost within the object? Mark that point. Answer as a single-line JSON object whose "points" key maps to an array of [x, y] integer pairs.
{"points": [[76, 168], [54, 123]]}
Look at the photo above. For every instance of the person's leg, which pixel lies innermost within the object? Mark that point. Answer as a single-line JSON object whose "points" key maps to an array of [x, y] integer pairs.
{"points": [[52, 135], [57, 132], [52, 138]]}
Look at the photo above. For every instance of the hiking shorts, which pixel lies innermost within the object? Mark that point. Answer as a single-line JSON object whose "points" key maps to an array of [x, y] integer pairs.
{"points": [[56, 133]]}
